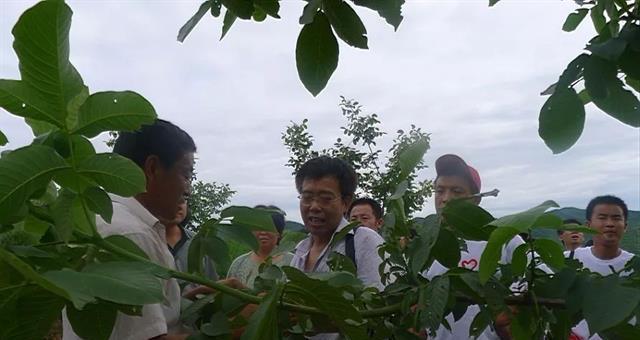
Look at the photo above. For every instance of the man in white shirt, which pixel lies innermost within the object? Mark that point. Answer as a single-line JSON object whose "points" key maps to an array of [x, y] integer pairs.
{"points": [[608, 216], [165, 154], [368, 212], [456, 179]]}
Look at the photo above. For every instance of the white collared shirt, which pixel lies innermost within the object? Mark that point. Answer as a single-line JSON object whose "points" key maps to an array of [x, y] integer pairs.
{"points": [[365, 242], [135, 222]]}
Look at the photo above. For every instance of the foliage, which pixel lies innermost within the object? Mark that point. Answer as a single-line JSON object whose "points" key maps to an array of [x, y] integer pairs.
{"points": [[317, 48], [206, 201], [51, 254], [611, 57], [358, 146]]}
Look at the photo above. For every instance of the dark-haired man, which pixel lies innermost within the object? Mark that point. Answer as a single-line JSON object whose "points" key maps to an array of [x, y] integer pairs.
{"points": [[456, 179], [326, 186], [571, 240], [366, 211], [164, 152], [608, 216]]}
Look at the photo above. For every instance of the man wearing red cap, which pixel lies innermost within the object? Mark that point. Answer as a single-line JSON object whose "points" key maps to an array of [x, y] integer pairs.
{"points": [[456, 179]]}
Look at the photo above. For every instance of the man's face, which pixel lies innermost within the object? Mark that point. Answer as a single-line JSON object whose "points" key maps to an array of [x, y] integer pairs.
{"points": [[182, 213], [322, 207], [363, 213], [167, 188], [608, 220], [572, 239], [450, 187]]}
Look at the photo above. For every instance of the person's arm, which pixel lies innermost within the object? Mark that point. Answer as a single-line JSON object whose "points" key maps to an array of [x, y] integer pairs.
{"points": [[231, 282]]}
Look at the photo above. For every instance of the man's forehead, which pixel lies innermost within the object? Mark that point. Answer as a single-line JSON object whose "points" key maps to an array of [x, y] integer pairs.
{"points": [[608, 209], [452, 181]]}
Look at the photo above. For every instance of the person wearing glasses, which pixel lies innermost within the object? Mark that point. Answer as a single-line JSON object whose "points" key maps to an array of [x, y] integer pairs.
{"points": [[327, 186]]}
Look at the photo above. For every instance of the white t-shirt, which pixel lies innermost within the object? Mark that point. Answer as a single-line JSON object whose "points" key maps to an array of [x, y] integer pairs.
{"points": [[470, 259], [132, 220], [602, 267]]}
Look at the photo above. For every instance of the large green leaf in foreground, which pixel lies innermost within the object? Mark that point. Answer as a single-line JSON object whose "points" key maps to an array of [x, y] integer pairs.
{"points": [[25, 171]]}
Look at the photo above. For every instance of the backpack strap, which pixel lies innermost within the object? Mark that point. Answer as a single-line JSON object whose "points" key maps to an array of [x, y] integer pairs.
{"points": [[350, 248], [571, 254]]}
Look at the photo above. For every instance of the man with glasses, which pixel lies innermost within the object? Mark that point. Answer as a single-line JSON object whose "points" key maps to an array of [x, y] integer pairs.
{"points": [[326, 186]]}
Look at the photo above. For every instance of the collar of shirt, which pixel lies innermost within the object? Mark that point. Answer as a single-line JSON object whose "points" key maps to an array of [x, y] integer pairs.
{"points": [[304, 246], [137, 209]]}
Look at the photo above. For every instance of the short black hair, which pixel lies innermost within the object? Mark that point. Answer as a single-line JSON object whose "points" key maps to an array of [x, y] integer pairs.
{"points": [[569, 221], [375, 206], [162, 139], [607, 199], [325, 166], [277, 216]]}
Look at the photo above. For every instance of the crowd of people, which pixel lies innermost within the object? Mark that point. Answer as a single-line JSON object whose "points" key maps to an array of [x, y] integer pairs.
{"points": [[326, 187]]}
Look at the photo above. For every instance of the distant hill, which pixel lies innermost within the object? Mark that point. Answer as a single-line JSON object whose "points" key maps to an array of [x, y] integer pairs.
{"points": [[630, 241]]}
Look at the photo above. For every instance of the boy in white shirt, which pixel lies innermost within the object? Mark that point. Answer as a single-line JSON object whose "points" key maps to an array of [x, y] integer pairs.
{"points": [[608, 216]]}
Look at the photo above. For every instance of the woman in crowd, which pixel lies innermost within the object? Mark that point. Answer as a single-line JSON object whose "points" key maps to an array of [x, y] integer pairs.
{"points": [[246, 267]]}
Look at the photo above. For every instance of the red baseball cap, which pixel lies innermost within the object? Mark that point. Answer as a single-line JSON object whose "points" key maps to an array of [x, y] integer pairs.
{"points": [[453, 165]]}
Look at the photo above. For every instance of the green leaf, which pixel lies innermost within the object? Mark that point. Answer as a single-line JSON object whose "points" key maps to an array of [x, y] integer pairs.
{"points": [[390, 10], [130, 283], [420, 247], [263, 324], [493, 2], [633, 83], [597, 16], [215, 8], [113, 111], [400, 190], [550, 251], [288, 242], [411, 156], [561, 120], [525, 220], [62, 214], [447, 250], [338, 262], [259, 15], [607, 91], [574, 19], [346, 23], [99, 202], [30, 274], [584, 96], [326, 297], [229, 19], [611, 49], [3, 139], [243, 9], [519, 260], [468, 219], [114, 173], [254, 219], [25, 171], [316, 54], [271, 7], [28, 312], [434, 297], [42, 45], [126, 244], [610, 292], [238, 233], [309, 11], [493, 251], [21, 100], [95, 321], [193, 21], [628, 63]]}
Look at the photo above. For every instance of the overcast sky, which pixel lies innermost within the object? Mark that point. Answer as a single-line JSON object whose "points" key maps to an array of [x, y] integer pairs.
{"points": [[468, 74]]}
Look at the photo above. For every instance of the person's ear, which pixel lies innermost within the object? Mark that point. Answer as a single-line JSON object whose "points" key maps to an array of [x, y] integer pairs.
{"points": [[151, 168]]}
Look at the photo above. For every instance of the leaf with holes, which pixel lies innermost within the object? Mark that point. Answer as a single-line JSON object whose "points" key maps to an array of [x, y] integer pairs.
{"points": [[113, 111], [114, 173]]}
